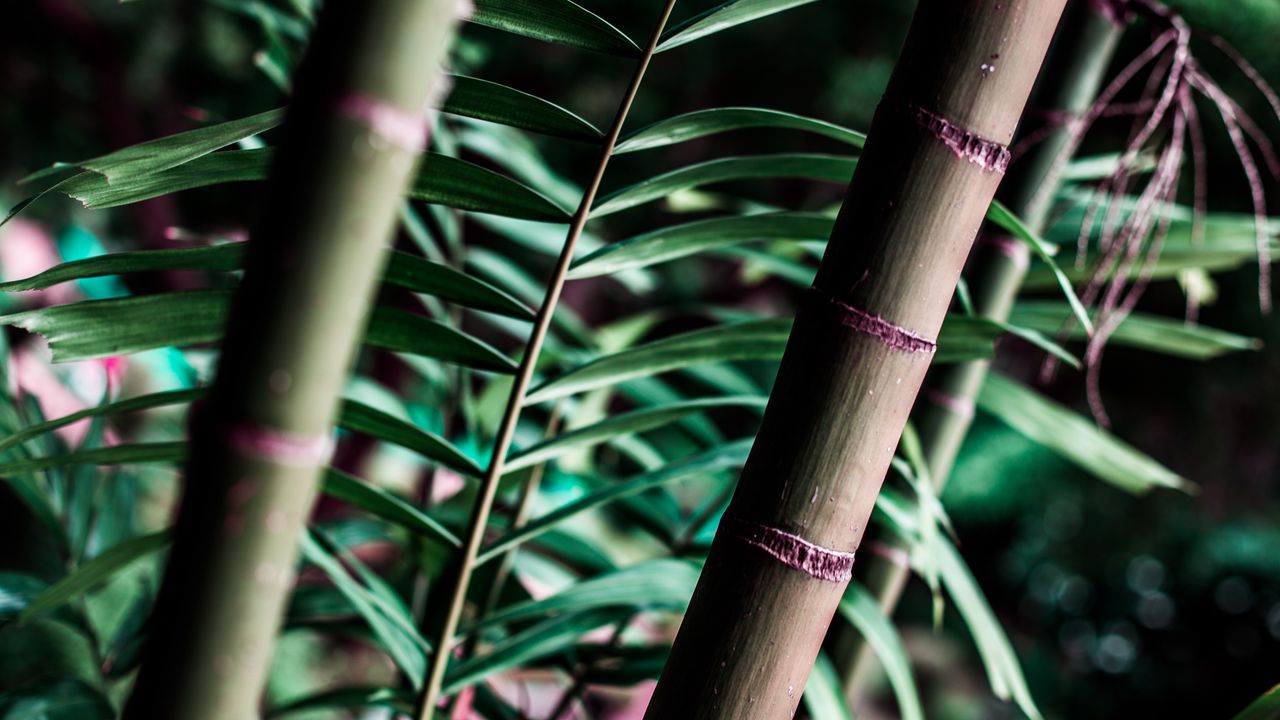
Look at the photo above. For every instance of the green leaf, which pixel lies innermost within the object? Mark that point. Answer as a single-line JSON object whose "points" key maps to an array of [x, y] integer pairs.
{"points": [[637, 421], [1074, 437], [862, 611], [829, 168], [348, 698], [961, 339], [55, 700], [382, 504], [101, 328], [403, 270], [395, 635], [1266, 707], [91, 574], [1002, 216], [154, 156], [657, 584], [484, 100], [133, 454], [443, 179], [1003, 670], [822, 695], [725, 457], [701, 123], [671, 243], [142, 402], [554, 21], [723, 17], [361, 418], [1148, 332]]}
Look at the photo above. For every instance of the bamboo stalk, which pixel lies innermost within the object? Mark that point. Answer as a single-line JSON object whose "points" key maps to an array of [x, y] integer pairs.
{"points": [[524, 374], [1076, 69], [858, 352], [351, 144]]}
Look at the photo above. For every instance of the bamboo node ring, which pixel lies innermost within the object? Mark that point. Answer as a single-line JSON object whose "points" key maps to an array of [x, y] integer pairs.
{"points": [[400, 128], [794, 551], [895, 336]]}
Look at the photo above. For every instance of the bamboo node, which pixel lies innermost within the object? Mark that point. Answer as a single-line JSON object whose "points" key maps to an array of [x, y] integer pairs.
{"points": [[962, 407], [794, 551], [279, 446], [895, 336], [399, 128], [986, 154], [1010, 247]]}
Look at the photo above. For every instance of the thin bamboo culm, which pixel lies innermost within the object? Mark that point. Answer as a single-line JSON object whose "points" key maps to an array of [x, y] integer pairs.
{"points": [[351, 143], [1073, 75], [858, 352]]}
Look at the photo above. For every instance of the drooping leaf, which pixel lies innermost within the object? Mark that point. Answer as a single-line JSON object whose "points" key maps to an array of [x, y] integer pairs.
{"points": [[555, 21], [728, 456], [485, 100], [443, 179], [133, 454], [1074, 437], [154, 156], [361, 418], [134, 404], [1002, 216], [671, 243], [828, 168], [822, 695], [701, 123], [1148, 332], [93, 573], [624, 424], [723, 17], [664, 583], [382, 504], [862, 611], [101, 328]]}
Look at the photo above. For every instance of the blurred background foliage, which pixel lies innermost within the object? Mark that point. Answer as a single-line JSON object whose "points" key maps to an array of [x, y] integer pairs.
{"points": [[1162, 605]]}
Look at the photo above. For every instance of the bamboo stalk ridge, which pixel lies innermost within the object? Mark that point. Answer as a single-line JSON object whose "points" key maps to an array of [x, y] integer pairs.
{"points": [[859, 349], [1074, 73], [351, 143]]}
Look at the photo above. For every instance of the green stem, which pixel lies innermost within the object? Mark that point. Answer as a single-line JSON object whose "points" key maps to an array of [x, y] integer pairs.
{"points": [[1074, 74], [519, 390], [858, 352], [259, 443]]}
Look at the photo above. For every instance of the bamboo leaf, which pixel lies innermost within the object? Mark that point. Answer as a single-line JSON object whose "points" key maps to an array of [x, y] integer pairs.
{"points": [[554, 21], [862, 611], [637, 421], [443, 179], [101, 328], [962, 339], [403, 270], [1266, 707], [361, 418], [723, 17], [1148, 332], [1002, 216], [728, 456], [664, 583], [138, 453], [154, 156], [701, 123], [55, 700], [93, 573], [828, 168], [671, 243], [822, 695], [484, 100], [1074, 437], [142, 402]]}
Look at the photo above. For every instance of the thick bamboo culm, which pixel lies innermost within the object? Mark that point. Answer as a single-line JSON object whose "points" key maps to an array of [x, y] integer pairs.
{"points": [[351, 143], [858, 352], [1073, 75]]}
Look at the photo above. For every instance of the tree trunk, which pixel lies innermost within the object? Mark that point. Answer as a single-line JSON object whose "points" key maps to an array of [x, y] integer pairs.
{"points": [[351, 144], [1075, 71], [858, 352]]}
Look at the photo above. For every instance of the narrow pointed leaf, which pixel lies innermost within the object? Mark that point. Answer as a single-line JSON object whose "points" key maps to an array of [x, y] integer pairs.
{"points": [[443, 179], [1074, 437], [1266, 707], [828, 168], [701, 123], [554, 21], [91, 574], [822, 695], [1002, 216], [484, 100], [134, 404], [1148, 332], [862, 611], [723, 17], [361, 418], [432, 278], [667, 244], [625, 424]]}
